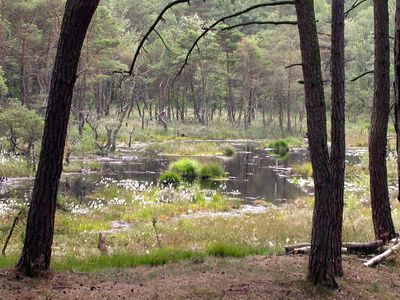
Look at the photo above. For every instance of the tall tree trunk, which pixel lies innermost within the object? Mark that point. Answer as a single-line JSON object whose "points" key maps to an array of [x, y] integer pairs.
{"points": [[22, 73], [381, 211], [338, 149], [397, 86], [289, 94], [322, 256], [36, 253]]}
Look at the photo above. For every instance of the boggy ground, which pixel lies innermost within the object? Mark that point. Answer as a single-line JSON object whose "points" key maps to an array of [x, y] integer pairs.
{"points": [[271, 277]]}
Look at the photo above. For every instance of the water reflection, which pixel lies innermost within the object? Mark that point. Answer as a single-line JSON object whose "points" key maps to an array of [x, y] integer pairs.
{"points": [[253, 174]]}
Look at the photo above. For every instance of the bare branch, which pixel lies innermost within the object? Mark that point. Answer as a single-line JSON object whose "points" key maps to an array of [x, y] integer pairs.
{"points": [[362, 75], [151, 29], [293, 65], [260, 23], [162, 40], [354, 6], [222, 20], [326, 34]]}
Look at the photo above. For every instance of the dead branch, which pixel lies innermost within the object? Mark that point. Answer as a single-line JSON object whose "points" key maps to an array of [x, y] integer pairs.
{"points": [[293, 65], [362, 75], [162, 40], [222, 20], [154, 222], [16, 219], [260, 23]]}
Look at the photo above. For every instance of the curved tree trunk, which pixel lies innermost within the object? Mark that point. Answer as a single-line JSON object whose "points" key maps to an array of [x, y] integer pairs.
{"points": [[338, 149], [36, 253], [321, 269], [381, 211]]}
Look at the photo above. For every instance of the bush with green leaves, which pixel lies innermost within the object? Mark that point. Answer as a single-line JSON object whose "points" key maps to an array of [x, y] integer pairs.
{"points": [[170, 179], [211, 171], [21, 127], [187, 168]]}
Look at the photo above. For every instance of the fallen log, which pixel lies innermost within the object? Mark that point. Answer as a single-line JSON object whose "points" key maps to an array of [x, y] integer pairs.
{"points": [[366, 248], [290, 248], [307, 249], [379, 258]]}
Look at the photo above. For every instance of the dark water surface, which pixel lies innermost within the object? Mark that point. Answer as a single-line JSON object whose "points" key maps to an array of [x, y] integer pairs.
{"points": [[254, 173]]}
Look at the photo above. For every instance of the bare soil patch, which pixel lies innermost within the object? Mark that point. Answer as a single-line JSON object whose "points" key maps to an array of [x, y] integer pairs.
{"points": [[277, 277]]}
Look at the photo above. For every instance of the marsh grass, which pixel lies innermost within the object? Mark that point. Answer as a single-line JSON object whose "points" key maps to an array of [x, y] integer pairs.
{"points": [[75, 244], [303, 170]]}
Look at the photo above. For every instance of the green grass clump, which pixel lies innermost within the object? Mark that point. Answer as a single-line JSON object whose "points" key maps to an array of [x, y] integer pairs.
{"points": [[303, 170], [170, 179], [186, 168], [230, 250], [229, 150], [8, 261], [211, 171], [280, 148], [156, 257]]}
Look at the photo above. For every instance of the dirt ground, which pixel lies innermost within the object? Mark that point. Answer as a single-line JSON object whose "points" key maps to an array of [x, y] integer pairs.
{"points": [[278, 277]]}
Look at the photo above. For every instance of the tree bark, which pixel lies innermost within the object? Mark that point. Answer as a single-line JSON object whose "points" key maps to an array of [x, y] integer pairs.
{"points": [[381, 211], [36, 254], [397, 86], [322, 257], [338, 148]]}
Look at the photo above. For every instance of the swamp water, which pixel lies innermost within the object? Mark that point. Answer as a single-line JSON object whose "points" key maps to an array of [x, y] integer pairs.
{"points": [[253, 174]]}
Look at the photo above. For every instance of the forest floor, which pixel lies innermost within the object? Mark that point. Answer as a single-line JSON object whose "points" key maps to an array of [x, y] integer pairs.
{"points": [[259, 277]]}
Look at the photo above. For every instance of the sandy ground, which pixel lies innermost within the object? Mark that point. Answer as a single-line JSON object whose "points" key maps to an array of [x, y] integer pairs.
{"points": [[279, 277]]}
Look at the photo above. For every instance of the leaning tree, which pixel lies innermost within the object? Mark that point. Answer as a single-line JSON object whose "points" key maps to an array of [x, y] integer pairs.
{"points": [[36, 253], [381, 211]]}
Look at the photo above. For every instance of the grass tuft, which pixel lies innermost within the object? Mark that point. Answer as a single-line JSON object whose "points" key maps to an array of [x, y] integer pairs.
{"points": [[230, 250]]}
